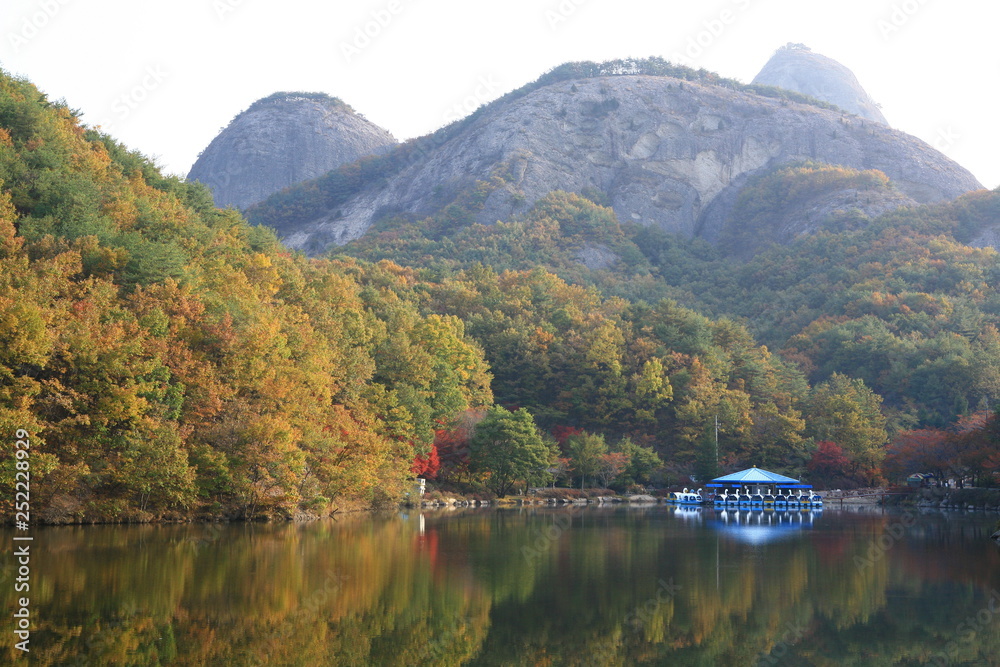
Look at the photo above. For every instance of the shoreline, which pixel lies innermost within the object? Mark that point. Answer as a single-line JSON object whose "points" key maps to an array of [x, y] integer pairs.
{"points": [[973, 499]]}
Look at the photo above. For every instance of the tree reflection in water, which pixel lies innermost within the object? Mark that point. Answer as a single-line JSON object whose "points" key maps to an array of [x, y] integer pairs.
{"points": [[531, 586]]}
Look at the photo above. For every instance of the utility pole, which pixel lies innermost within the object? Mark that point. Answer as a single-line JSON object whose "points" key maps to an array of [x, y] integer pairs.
{"points": [[716, 443]]}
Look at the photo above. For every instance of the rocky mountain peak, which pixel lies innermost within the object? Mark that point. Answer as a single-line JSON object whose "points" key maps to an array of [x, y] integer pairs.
{"points": [[796, 67], [666, 152], [283, 139]]}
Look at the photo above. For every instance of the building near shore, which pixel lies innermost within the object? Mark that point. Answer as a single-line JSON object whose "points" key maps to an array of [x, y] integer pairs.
{"points": [[759, 487]]}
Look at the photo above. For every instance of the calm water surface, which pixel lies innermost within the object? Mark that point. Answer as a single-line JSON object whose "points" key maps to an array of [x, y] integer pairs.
{"points": [[617, 586]]}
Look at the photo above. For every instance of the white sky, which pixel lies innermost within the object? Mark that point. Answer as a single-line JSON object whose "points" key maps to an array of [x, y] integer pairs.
{"points": [[165, 77]]}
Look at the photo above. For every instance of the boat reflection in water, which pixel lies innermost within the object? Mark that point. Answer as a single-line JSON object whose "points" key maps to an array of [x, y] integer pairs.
{"points": [[762, 526], [687, 512]]}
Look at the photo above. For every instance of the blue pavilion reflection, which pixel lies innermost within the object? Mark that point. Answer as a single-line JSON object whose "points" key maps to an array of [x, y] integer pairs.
{"points": [[761, 526]]}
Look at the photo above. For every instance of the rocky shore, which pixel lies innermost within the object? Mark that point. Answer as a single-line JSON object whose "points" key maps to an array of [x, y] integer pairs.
{"points": [[449, 501], [987, 500]]}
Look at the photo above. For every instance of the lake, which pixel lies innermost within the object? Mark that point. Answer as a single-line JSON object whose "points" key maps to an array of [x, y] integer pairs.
{"points": [[530, 586]]}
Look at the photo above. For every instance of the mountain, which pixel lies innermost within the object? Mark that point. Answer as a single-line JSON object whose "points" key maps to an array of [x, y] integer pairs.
{"points": [[797, 68], [283, 139], [665, 151], [167, 359]]}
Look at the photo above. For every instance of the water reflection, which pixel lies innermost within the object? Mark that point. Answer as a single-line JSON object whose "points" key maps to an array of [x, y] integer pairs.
{"points": [[762, 526], [529, 586]]}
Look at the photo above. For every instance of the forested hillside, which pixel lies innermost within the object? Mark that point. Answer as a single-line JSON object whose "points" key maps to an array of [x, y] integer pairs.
{"points": [[898, 301], [165, 356]]}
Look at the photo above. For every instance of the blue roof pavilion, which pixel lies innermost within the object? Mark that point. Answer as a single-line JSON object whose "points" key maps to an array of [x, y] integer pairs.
{"points": [[757, 477]]}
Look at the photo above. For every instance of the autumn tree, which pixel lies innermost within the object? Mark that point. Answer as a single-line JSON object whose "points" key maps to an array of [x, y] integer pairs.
{"points": [[828, 465], [427, 466], [642, 461], [507, 447], [452, 443], [976, 439], [928, 450], [610, 468], [845, 411], [586, 451]]}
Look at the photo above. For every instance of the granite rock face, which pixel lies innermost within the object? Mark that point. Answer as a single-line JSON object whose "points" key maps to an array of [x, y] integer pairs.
{"points": [[281, 140], [668, 153], [796, 67]]}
